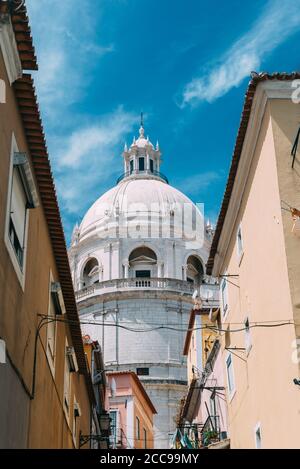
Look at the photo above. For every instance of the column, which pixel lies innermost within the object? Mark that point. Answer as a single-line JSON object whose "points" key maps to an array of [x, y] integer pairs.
{"points": [[184, 272], [160, 269], [158, 165], [126, 166], [135, 164], [126, 269]]}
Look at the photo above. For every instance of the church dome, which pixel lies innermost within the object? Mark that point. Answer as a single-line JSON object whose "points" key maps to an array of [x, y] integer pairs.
{"points": [[131, 196]]}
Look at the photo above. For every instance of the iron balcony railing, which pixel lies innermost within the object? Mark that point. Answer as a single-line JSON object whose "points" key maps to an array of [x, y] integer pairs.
{"points": [[148, 172], [211, 430]]}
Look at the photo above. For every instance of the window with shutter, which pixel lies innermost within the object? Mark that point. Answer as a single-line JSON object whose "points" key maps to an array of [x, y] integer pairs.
{"points": [[18, 207], [67, 384], [21, 196]]}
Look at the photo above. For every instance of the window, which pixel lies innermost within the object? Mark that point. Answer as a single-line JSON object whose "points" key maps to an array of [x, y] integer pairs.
{"points": [[143, 273], [21, 197], [145, 438], [258, 437], [224, 294], [137, 429], [114, 427], [151, 166], [240, 247], [51, 328], [17, 222], [2, 92], [131, 166], [248, 342], [67, 383], [76, 417], [230, 376], [142, 371], [141, 164]]}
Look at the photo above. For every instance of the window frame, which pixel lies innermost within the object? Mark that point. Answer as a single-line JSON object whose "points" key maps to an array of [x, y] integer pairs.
{"points": [[131, 166], [138, 428], [257, 429], [67, 389], [75, 422], [230, 377], [224, 297], [145, 437], [248, 337], [20, 270], [51, 354], [240, 243], [138, 273], [114, 435], [142, 163], [143, 371]]}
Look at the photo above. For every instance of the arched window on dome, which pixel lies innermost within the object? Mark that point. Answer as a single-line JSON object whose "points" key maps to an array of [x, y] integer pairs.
{"points": [[142, 164], [131, 166], [194, 270], [91, 273], [143, 263], [151, 165]]}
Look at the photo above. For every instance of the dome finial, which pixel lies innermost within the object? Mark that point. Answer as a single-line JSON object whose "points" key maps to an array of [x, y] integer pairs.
{"points": [[142, 130]]}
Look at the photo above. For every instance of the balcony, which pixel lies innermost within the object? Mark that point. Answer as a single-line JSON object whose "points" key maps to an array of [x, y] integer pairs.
{"points": [[210, 432], [143, 173], [149, 284], [145, 284]]}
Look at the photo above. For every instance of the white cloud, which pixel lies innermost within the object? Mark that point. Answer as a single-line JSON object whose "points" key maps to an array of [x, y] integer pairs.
{"points": [[87, 159], [65, 36], [279, 20], [198, 183]]}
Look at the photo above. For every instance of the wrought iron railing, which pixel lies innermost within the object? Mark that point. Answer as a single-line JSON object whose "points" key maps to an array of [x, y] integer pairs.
{"points": [[211, 430]]}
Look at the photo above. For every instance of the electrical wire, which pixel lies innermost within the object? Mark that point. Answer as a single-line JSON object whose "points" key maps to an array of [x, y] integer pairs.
{"points": [[253, 325]]}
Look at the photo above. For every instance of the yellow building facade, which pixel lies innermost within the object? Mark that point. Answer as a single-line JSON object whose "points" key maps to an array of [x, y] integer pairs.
{"points": [[255, 255]]}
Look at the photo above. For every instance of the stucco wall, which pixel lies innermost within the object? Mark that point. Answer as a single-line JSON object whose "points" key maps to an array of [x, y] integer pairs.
{"points": [[39, 423], [265, 393]]}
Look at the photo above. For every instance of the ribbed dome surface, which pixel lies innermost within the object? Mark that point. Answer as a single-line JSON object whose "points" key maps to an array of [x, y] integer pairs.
{"points": [[134, 195]]}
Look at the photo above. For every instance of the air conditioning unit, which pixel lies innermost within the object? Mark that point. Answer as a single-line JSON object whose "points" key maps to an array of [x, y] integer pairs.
{"points": [[73, 365]]}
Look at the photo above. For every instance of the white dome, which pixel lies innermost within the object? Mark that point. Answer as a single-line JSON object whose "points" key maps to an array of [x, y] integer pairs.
{"points": [[128, 195]]}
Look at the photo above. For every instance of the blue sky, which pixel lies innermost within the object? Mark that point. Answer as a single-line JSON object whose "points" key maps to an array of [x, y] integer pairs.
{"points": [[186, 64]]}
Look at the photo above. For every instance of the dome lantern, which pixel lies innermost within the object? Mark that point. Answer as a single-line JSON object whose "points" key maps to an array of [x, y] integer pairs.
{"points": [[142, 159]]}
